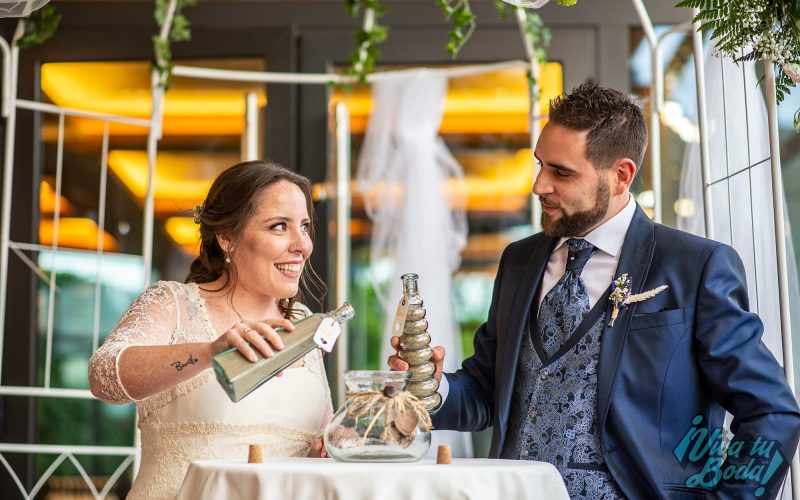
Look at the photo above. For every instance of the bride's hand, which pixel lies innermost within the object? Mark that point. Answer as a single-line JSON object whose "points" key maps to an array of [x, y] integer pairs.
{"points": [[246, 335]]}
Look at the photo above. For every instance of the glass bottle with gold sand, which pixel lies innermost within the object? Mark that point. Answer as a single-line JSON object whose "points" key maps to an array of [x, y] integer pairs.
{"points": [[415, 344]]}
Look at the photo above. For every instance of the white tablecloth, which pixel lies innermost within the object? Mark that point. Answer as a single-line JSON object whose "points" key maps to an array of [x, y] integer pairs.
{"points": [[319, 479]]}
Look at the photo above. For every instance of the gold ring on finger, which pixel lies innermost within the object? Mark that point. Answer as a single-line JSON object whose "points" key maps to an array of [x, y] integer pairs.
{"points": [[247, 329]]}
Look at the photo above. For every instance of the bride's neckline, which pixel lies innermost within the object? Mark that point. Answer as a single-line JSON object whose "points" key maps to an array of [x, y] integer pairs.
{"points": [[198, 299]]}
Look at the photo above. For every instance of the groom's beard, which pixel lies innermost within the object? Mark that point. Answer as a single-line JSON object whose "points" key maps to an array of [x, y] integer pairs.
{"points": [[568, 226]]}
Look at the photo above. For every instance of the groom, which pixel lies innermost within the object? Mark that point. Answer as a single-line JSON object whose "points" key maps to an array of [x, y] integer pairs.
{"points": [[613, 345]]}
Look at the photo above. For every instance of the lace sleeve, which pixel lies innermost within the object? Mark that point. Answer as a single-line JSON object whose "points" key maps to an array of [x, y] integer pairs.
{"points": [[150, 320]]}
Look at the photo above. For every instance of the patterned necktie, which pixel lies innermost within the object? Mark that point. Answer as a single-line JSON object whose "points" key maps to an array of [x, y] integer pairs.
{"points": [[565, 305]]}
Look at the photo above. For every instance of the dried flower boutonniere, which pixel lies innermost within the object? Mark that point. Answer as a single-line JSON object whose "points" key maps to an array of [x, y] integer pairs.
{"points": [[620, 291], [621, 295]]}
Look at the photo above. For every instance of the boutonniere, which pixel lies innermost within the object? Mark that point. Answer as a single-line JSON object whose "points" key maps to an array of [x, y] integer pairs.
{"points": [[621, 295]]}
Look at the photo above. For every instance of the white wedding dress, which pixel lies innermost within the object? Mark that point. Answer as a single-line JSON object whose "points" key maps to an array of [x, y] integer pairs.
{"points": [[195, 420]]}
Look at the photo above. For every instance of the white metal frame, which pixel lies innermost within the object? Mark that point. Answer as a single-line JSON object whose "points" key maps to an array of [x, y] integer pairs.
{"points": [[702, 125], [9, 107], [656, 106], [328, 78], [342, 210], [656, 97], [6, 244], [251, 128], [775, 161], [68, 452], [10, 104], [780, 248], [777, 179], [534, 118]]}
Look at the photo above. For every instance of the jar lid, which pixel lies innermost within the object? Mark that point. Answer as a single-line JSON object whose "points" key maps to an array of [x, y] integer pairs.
{"points": [[375, 380]]}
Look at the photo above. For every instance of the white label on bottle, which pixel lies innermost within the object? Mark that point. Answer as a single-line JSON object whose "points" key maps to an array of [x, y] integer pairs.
{"points": [[327, 333], [400, 317]]}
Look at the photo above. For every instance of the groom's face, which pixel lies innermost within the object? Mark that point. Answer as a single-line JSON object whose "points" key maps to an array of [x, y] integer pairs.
{"points": [[573, 193]]}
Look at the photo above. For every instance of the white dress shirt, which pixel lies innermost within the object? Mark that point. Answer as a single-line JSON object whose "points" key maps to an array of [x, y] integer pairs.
{"points": [[598, 271]]}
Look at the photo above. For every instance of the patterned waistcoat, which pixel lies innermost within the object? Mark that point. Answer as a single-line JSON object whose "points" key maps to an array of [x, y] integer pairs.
{"points": [[553, 414]]}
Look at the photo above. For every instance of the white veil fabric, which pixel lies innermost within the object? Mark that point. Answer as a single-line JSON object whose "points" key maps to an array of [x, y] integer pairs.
{"points": [[741, 192], [403, 171], [19, 8]]}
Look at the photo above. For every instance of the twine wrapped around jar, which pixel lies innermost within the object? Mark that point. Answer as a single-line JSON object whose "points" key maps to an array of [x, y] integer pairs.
{"points": [[401, 410], [379, 421]]}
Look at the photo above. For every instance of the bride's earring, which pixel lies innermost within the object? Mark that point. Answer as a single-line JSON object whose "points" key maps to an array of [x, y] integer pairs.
{"points": [[227, 258]]}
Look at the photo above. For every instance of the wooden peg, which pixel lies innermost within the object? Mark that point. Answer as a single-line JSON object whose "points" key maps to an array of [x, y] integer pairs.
{"points": [[254, 454], [443, 454]]}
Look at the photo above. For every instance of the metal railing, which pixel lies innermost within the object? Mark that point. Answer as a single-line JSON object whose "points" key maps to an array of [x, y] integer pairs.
{"points": [[10, 106]]}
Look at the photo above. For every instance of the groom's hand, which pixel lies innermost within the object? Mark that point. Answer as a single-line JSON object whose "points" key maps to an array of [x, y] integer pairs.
{"points": [[395, 363], [318, 449]]}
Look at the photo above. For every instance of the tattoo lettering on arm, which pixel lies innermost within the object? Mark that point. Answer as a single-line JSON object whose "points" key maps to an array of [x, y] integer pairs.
{"points": [[180, 366]]}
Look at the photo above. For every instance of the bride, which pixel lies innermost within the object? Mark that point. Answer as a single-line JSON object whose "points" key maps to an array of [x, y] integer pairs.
{"points": [[256, 231]]}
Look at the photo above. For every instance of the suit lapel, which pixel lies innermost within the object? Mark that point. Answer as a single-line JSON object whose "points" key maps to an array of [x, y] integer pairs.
{"points": [[530, 275], [637, 253]]}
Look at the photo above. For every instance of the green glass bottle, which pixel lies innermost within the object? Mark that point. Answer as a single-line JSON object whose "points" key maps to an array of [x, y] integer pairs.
{"points": [[240, 376]]}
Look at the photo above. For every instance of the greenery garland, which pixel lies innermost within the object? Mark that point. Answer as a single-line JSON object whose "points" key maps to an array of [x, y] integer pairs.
{"points": [[39, 26], [458, 12], [368, 37], [749, 30], [178, 32], [536, 34]]}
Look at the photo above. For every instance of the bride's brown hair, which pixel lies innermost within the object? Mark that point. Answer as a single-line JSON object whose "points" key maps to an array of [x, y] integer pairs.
{"points": [[229, 205]]}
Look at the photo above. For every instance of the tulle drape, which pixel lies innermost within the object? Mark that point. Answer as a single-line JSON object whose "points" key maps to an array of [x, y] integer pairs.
{"points": [[19, 8], [404, 171]]}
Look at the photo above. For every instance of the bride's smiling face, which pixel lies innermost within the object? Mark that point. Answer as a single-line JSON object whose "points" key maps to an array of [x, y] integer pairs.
{"points": [[273, 248]]}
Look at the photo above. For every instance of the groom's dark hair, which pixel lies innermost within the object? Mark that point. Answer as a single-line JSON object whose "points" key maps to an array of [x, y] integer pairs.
{"points": [[615, 123]]}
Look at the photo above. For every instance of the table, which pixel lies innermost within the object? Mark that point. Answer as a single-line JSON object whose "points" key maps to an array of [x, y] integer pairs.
{"points": [[319, 479]]}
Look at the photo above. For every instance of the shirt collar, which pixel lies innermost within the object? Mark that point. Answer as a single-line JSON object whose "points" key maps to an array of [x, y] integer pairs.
{"points": [[609, 236]]}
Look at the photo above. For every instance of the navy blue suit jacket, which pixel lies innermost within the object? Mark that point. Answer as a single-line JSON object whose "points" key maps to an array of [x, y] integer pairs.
{"points": [[692, 350]]}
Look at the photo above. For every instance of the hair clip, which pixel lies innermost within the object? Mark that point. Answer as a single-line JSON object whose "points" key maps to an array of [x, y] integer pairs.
{"points": [[198, 213]]}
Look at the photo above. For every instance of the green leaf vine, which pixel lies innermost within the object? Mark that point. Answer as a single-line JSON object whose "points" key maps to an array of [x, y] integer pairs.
{"points": [[749, 30], [460, 14], [372, 33], [537, 35], [368, 37], [179, 31], [39, 26]]}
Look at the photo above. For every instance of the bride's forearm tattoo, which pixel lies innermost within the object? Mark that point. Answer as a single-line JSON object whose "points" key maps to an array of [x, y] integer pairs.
{"points": [[180, 366]]}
